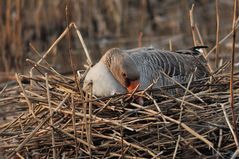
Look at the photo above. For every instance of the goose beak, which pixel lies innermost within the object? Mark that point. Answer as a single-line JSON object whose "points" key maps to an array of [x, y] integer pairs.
{"points": [[133, 85]]}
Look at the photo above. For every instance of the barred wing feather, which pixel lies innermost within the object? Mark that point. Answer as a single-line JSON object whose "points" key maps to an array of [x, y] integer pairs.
{"points": [[151, 62]]}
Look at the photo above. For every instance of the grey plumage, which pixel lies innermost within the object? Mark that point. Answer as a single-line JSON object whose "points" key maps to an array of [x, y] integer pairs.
{"points": [[178, 65]]}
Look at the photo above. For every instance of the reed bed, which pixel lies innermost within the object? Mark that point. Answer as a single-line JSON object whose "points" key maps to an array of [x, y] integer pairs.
{"points": [[58, 120]]}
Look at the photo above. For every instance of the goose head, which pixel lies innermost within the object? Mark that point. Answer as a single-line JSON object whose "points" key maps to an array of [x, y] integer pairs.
{"points": [[122, 67], [116, 72], [102, 80]]}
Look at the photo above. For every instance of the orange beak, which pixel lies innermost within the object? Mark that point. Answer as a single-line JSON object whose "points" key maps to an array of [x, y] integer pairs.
{"points": [[133, 85]]}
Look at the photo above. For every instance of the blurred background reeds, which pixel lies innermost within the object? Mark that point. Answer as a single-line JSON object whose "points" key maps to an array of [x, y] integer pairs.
{"points": [[105, 24]]}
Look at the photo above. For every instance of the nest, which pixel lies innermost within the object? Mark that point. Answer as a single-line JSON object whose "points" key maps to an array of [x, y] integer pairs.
{"points": [[61, 121], [54, 118]]}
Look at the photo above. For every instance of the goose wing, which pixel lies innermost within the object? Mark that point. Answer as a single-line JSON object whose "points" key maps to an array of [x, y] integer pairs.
{"points": [[151, 62]]}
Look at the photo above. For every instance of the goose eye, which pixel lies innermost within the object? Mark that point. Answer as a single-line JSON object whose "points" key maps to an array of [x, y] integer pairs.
{"points": [[124, 74]]}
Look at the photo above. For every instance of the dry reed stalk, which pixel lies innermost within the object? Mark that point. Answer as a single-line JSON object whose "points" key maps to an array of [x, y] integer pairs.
{"points": [[157, 106], [235, 16], [140, 37], [74, 123], [75, 75], [176, 147], [235, 154], [8, 21], [39, 55], [30, 107], [122, 141], [219, 141], [2, 39], [170, 45], [90, 119], [20, 156], [132, 93], [201, 41], [3, 89], [54, 43], [192, 25], [83, 44], [73, 67], [229, 125], [217, 33], [7, 35], [17, 36], [51, 117], [186, 91], [36, 66]]}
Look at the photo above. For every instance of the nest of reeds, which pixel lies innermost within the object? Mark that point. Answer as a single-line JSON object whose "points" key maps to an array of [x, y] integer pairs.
{"points": [[56, 119]]}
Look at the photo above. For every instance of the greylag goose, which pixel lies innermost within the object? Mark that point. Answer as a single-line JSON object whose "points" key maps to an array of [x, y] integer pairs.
{"points": [[121, 71]]}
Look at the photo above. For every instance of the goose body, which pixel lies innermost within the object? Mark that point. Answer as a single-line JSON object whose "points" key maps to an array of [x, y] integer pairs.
{"points": [[119, 70]]}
